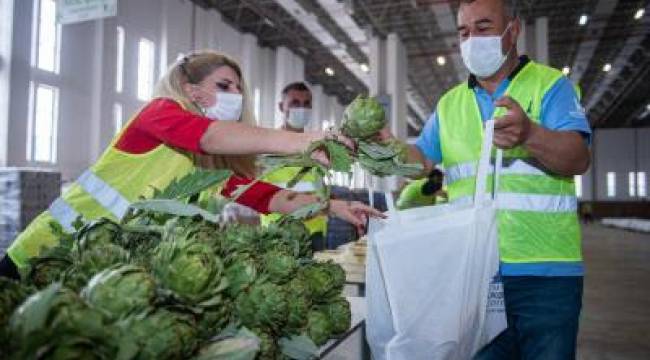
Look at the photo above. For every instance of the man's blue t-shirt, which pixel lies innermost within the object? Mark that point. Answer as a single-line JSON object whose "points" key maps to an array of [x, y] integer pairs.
{"points": [[561, 111]]}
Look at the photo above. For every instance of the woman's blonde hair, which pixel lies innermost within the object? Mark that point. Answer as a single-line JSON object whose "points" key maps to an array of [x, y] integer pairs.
{"points": [[193, 68]]}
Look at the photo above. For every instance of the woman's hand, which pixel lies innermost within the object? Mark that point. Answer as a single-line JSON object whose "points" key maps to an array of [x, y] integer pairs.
{"points": [[354, 212]]}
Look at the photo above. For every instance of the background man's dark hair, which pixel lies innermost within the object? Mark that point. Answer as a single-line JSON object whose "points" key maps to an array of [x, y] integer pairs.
{"points": [[297, 86], [433, 183]]}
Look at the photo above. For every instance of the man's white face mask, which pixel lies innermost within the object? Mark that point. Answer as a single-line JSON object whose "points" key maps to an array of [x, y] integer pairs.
{"points": [[228, 107], [482, 55], [299, 117]]}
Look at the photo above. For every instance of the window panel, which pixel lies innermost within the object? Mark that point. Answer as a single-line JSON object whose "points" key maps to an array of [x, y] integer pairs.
{"points": [[146, 67], [631, 186], [47, 49], [44, 124], [611, 184], [642, 190], [119, 70]]}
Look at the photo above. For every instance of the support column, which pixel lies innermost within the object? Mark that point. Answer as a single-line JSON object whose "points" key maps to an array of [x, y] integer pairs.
{"points": [[388, 81], [396, 79], [541, 40], [533, 40], [317, 99], [377, 85]]}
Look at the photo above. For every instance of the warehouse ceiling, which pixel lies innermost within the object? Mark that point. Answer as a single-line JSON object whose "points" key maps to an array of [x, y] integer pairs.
{"points": [[612, 35]]}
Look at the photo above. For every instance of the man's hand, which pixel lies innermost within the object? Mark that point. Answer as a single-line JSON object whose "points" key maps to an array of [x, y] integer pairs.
{"points": [[514, 128], [354, 212], [385, 134]]}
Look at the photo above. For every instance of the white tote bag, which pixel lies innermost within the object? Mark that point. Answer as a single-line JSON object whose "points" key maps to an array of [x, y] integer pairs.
{"points": [[430, 272]]}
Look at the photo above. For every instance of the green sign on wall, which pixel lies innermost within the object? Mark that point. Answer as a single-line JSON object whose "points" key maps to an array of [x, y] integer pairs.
{"points": [[74, 11]]}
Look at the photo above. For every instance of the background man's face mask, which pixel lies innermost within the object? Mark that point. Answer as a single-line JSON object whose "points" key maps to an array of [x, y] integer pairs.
{"points": [[482, 55], [299, 117], [228, 107]]}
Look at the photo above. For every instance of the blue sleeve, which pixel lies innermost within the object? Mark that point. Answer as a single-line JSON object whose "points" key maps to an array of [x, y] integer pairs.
{"points": [[429, 140], [562, 111]]}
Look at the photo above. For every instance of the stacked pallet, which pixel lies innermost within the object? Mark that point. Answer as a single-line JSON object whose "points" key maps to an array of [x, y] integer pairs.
{"points": [[24, 193]]}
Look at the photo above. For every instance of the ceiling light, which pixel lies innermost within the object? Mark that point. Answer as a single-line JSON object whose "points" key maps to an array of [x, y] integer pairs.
{"points": [[583, 20], [441, 60], [365, 68], [566, 70], [607, 67], [639, 14], [329, 71], [647, 107]]}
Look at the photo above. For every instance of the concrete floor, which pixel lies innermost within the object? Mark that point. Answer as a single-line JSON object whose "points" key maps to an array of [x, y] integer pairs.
{"points": [[616, 305]]}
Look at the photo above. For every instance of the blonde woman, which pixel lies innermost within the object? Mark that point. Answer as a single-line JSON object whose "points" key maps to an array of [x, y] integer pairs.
{"points": [[199, 117]]}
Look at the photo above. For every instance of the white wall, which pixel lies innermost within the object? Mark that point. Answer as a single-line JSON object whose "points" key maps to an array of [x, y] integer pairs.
{"points": [[6, 33], [620, 151], [88, 67]]}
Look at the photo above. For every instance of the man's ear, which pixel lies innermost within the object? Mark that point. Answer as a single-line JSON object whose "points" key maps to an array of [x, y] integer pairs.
{"points": [[516, 30]]}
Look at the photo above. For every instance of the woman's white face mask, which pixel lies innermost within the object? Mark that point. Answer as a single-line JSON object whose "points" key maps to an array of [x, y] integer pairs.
{"points": [[482, 55], [228, 107]]}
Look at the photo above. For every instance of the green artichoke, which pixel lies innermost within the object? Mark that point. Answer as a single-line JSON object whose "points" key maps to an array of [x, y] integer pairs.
{"points": [[363, 118], [338, 312], [194, 228], [212, 320], [190, 271], [241, 273], [269, 349], [242, 346], [290, 237], [318, 328], [325, 280], [102, 232], [93, 260], [12, 294], [264, 305], [298, 310], [279, 267], [156, 335], [44, 270], [56, 324], [120, 291], [241, 239]]}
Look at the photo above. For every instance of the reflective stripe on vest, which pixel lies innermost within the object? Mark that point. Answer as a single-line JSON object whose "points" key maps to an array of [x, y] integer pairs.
{"points": [[100, 191], [530, 202], [512, 167], [104, 194], [63, 213]]}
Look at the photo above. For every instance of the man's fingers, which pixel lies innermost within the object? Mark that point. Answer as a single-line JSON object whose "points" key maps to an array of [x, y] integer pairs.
{"points": [[365, 209], [506, 101], [502, 142], [503, 122]]}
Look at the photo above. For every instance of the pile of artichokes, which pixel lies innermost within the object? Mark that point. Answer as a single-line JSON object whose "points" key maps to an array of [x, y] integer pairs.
{"points": [[159, 285]]}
